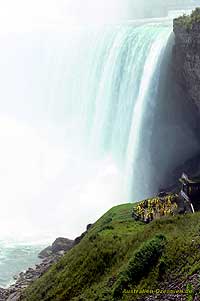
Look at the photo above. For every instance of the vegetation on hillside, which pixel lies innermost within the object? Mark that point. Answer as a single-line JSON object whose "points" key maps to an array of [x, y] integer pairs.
{"points": [[119, 253], [139, 265], [188, 21]]}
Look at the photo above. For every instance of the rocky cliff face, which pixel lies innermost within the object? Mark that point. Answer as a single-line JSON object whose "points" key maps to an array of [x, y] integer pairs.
{"points": [[176, 129], [186, 59]]}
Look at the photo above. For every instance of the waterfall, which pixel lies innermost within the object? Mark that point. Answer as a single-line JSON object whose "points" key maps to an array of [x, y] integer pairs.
{"points": [[84, 120], [74, 106], [125, 91], [146, 100]]}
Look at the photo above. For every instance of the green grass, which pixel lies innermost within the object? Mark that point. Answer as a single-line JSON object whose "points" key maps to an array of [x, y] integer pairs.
{"points": [[115, 247]]}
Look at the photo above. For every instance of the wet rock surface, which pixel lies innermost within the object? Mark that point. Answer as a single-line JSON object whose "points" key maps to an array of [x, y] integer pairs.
{"points": [[186, 60], [3, 294]]}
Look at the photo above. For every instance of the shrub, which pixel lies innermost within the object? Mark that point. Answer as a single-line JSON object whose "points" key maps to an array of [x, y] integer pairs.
{"points": [[140, 264], [108, 227], [188, 21]]}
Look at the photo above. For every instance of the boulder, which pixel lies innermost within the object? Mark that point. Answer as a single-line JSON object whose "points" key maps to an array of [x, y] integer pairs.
{"points": [[79, 238], [45, 253], [3, 294], [59, 245], [62, 244], [14, 297]]}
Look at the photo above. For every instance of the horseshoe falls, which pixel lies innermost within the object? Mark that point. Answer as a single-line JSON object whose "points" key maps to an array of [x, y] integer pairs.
{"points": [[77, 111]]}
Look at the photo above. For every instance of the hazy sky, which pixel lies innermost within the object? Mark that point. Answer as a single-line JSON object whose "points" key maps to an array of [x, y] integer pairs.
{"points": [[29, 14], [26, 14]]}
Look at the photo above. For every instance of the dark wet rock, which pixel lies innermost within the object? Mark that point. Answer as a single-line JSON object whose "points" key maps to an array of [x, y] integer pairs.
{"points": [[88, 227], [3, 294], [14, 297], [79, 238], [191, 167], [186, 60]]}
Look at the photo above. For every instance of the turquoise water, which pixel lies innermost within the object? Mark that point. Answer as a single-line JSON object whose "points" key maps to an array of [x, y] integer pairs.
{"points": [[15, 258]]}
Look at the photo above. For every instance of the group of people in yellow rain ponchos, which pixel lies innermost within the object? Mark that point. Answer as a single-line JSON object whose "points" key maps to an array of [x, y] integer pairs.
{"points": [[154, 208]]}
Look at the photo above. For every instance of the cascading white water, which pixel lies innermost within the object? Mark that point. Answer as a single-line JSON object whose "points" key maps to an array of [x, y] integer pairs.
{"points": [[72, 111], [127, 89], [139, 150]]}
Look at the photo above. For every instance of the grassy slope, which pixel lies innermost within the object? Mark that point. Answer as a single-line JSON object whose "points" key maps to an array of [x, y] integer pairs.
{"points": [[91, 270]]}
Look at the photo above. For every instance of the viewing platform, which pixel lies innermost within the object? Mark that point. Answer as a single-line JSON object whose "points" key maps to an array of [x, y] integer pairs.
{"points": [[166, 204], [190, 191]]}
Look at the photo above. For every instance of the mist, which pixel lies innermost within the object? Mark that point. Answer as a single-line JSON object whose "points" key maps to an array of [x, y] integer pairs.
{"points": [[25, 15]]}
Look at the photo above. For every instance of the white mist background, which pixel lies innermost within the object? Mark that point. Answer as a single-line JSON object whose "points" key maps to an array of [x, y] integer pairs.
{"points": [[27, 14], [48, 186]]}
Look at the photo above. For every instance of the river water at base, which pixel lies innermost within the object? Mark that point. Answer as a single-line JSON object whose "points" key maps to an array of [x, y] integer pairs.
{"points": [[16, 257]]}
